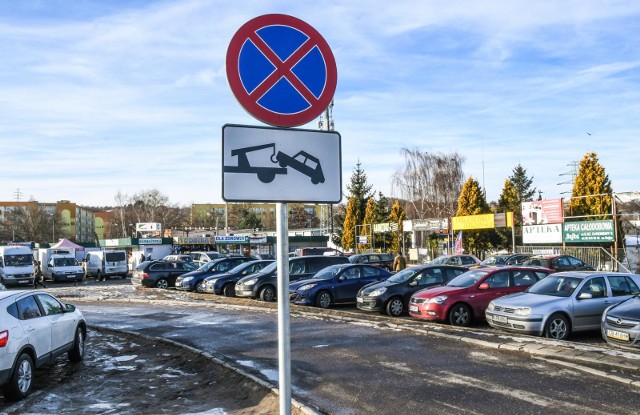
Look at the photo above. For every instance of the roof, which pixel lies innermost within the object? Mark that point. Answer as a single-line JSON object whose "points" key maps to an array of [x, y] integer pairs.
{"points": [[65, 243]]}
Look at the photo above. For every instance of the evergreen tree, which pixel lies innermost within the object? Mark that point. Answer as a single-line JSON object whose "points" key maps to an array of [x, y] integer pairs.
{"points": [[360, 191], [594, 183], [368, 222], [382, 212], [349, 226], [508, 202], [522, 185], [472, 202], [397, 216]]}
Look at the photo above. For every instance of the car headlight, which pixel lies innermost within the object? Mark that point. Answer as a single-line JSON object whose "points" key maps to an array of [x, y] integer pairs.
{"points": [[251, 281], [522, 311], [187, 279], [438, 300], [491, 306], [378, 292], [306, 287]]}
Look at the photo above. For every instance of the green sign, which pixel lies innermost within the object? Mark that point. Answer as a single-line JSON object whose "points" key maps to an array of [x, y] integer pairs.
{"points": [[589, 231]]}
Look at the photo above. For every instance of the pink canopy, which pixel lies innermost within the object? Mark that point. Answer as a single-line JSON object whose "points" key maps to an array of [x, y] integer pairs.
{"points": [[65, 243]]}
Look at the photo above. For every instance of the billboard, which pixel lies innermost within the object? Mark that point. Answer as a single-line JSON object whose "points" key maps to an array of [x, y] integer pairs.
{"points": [[484, 221], [589, 231], [148, 227], [542, 212], [542, 234]]}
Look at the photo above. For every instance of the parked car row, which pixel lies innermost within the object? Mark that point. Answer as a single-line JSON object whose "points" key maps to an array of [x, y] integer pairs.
{"points": [[520, 298]]}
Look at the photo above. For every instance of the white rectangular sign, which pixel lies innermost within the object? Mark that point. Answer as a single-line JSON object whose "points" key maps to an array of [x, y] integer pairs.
{"points": [[538, 234], [265, 164]]}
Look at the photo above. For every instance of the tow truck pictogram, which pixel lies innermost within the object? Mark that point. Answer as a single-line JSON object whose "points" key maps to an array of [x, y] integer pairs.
{"points": [[303, 162]]}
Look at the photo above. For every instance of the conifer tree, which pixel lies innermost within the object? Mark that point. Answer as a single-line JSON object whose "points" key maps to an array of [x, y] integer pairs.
{"points": [[368, 222], [509, 202], [360, 191], [472, 202], [592, 182], [397, 216], [349, 226]]}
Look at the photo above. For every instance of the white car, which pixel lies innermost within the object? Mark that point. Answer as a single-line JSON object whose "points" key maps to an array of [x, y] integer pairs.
{"points": [[35, 328]]}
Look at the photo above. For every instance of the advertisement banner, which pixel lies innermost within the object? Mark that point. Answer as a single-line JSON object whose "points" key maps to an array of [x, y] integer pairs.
{"points": [[473, 222], [232, 239], [542, 234], [148, 227], [541, 212], [589, 231]]}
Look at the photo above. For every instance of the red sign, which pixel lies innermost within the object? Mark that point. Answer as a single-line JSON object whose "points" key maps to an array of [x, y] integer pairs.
{"points": [[281, 70]]}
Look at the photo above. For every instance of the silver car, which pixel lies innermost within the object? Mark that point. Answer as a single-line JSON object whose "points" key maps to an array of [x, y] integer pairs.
{"points": [[621, 324], [562, 303]]}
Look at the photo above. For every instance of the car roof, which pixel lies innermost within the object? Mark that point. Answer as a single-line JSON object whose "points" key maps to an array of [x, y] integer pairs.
{"points": [[13, 293]]}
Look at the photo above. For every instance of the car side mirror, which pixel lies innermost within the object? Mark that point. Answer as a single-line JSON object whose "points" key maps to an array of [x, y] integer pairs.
{"points": [[484, 286], [49, 266], [69, 308], [342, 278], [584, 296], [413, 283]]}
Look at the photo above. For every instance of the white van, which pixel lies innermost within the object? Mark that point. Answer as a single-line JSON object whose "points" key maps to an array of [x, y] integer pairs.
{"points": [[16, 265], [63, 267], [105, 264]]}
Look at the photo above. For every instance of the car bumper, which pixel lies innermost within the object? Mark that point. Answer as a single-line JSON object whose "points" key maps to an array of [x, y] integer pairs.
{"points": [[428, 311], [302, 298], [67, 277], [184, 286], [15, 282], [533, 324], [370, 303], [5, 374], [245, 291], [621, 337]]}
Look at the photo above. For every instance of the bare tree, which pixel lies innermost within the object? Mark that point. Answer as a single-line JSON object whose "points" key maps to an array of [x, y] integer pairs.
{"points": [[430, 183], [149, 206]]}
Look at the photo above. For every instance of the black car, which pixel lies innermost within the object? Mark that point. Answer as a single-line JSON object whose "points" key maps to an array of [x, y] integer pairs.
{"points": [[194, 281], [263, 284], [160, 274], [392, 296], [226, 283], [503, 259], [335, 284], [559, 263], [380, 260]]}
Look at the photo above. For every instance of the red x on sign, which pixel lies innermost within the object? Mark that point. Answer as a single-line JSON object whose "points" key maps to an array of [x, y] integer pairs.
{"points": [[281, 70]]}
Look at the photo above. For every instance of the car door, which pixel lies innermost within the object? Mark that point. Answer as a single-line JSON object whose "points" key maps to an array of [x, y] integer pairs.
{"points": [[348, 283], [498, 287], [37, 329], [521, 279], [587, 312], [429, 277], [63, 325]]}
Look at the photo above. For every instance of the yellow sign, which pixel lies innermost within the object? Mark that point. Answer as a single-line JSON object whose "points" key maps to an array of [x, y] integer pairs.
{"points": [[484, 221]]}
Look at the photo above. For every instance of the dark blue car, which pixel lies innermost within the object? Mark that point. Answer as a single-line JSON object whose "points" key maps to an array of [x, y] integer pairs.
{"points": [[225, 284], [194, 281], [335, 284]]}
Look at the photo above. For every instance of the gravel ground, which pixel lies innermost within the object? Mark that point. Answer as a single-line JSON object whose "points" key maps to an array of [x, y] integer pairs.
{"points": [[124, 374]]}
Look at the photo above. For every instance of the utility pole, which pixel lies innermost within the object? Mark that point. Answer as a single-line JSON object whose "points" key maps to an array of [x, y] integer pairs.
{"points": [[326, 124]]}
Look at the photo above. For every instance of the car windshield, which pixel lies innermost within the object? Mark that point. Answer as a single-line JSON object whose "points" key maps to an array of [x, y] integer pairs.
{"points": [[494, 260], [404, 275], [556, 285], [18, 260], [467, 279], [206, 266], [440, 260], [537, 262], [239, 268], [328, 272], [65, 262], [269, 268]]}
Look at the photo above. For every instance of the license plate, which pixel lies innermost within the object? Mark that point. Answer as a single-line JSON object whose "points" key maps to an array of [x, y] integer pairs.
{"points": [[618, 335], [71, 276], [500, 319], [413, 308], [359, 300]]}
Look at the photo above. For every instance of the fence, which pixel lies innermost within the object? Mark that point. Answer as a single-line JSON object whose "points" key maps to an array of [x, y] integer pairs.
{"points": [[598, 257]]}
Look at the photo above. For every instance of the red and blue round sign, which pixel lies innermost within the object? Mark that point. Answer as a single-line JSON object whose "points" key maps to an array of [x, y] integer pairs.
{"points": [[281, 70]]}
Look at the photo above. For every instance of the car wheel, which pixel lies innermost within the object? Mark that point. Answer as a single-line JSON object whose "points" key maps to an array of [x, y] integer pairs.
{"points": [[460, 315], [162, 283], [229, 290], [323, 299], [21, 380], [200, 286], [557, 327], [395, 307], [98, 276], [268, 293], [76, 354]]}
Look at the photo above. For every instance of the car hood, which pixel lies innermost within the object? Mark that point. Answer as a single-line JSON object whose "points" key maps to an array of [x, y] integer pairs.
{"points": [[194, 273], [378, 284], [530, 300], [299, 283], [436, 291], [629, 309]]}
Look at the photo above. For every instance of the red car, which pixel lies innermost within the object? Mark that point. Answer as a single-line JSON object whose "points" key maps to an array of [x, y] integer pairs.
{"points": [[466, 297]]}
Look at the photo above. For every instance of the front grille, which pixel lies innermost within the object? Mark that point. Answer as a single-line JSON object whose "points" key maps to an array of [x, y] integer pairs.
{"points": [[622, 323], [506, 310]]}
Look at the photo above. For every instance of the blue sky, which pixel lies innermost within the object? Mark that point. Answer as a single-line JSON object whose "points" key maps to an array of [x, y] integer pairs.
{"points": [[106, 96]]}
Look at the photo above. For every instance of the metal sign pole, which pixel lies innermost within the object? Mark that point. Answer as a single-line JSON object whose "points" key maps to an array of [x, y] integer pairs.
{"points": [[284, 335]]}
